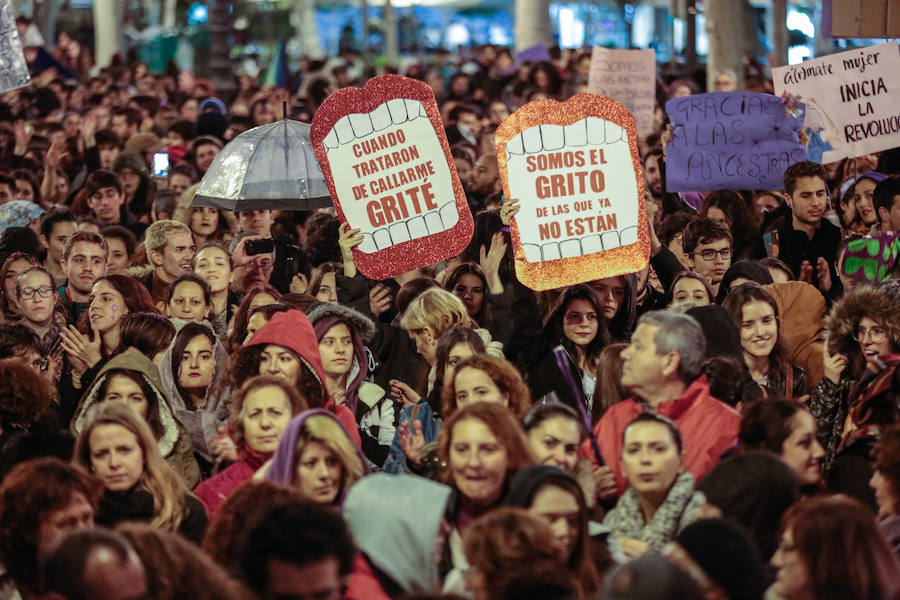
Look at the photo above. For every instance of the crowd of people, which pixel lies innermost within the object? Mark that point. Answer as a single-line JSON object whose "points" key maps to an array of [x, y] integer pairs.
{"points": [[196, 403]]}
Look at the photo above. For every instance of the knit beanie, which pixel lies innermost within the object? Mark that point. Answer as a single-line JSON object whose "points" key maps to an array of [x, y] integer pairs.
{"points": [[726, 553]]}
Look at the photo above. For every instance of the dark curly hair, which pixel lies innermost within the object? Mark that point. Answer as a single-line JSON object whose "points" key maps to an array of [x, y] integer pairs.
{"points": [[246, 365], [28, 494], [239, 329], [504, 375], [23, 396], [323, 231], [237, 516]]}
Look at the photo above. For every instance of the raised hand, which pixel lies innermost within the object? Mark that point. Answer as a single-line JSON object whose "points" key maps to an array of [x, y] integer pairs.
{"points": [[379, 300], [349, 239], [509, 210], [405, 394], [412, 440], [490, 263], [82, 350]]}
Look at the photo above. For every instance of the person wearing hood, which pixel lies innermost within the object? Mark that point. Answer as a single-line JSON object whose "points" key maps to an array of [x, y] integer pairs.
{"points": [[857, 397], [139, 188], [741, 272], [192, 372], [554, 496], [317, 456], [342, 333], [287, 347], [398, 524], [132, 378], [259, 414], [578, 324], [802, 309]]}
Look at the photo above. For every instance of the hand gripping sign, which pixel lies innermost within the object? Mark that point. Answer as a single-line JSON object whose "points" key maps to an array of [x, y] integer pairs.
{"points": [[388, 166], [574, 168]]}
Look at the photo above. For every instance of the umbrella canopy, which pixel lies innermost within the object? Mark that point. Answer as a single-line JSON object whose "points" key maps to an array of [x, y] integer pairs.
{"points": [[271, 167]]}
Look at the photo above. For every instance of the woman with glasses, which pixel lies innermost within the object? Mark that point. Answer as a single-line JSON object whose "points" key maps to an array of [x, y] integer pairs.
{"points": [[37, 298], [858, 397]]}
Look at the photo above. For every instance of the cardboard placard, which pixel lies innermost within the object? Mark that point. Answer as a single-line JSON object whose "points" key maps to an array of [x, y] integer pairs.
{"points": [[14, 72], [850, 97], [575, 169], [731, 140], [387, 163], [629, 77]]}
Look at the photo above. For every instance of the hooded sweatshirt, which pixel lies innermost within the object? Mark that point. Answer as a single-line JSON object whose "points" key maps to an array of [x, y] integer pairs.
{"points": [[175, 444], [292, 330], [375, 411], [395, 522], [201, 424], [283, 465]]}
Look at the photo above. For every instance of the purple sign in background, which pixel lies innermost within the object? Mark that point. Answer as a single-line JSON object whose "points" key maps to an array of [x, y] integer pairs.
{"points": [[730, 140]]}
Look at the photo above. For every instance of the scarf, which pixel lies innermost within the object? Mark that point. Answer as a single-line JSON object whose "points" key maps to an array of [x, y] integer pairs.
{"points": [[677, 511]]}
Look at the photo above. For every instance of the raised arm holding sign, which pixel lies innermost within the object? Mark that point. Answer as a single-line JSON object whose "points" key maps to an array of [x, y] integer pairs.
{"points": [[387, 163], [574, 169]]}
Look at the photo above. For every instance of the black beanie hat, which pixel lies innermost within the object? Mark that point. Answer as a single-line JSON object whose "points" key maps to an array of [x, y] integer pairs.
{"points": [[727, 555], [748, 269]]}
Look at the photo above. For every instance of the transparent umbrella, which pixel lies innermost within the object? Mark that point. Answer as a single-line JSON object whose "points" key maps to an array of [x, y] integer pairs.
{"points": [[269, 167]]}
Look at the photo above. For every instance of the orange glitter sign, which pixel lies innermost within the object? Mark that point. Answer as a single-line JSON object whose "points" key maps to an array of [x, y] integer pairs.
{"points": [[574, 168]]}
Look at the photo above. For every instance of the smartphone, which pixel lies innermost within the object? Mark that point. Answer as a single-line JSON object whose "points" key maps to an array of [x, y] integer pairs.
{"points": [[263, 246], [161, 164]]}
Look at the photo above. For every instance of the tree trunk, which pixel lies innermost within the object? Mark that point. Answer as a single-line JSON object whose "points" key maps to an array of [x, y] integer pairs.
{"points": [[169, 13], [45, 14], [107, 31], [779, 32], [306, 29], [219, 52], [391, 46], [731, 34], [532, 23]]}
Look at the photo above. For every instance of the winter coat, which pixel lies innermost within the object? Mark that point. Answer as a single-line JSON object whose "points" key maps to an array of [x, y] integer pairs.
{"points": [[214, 491], [137, 505], [423, 413], [201, 424], [708, 427], [374, 410], [292, 330], [175, 443], [395, 521], [802, 310]]}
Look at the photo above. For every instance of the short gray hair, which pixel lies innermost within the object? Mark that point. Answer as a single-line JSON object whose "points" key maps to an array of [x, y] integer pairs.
{"points": [[681, 334]]}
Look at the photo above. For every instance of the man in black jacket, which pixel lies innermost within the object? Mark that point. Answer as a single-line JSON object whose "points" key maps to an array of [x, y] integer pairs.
{"points": [[807, 242]]}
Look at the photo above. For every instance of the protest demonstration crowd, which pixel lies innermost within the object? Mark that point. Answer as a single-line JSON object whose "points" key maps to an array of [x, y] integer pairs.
{"points": [[258, 403]]}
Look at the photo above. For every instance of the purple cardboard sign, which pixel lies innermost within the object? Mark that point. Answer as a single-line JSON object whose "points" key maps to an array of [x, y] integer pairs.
{"points": [[536, 53], [731, 140]]}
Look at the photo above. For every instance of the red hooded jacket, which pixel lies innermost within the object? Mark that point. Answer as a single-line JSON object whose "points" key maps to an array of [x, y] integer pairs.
{"points": [[292, 330], [709, 428]]}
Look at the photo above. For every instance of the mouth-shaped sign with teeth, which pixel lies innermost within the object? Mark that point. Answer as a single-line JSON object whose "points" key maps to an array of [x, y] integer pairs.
{"points": [[574, 168], [387, 163]]}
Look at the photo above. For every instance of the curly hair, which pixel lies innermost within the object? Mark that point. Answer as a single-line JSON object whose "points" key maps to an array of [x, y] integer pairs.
{"points": [[30, 491], [236, 419], [239, 514], [323, 231], [509, 543], [504, 375], [176, 570], [23, 396], [887, 458], [502, 423]]}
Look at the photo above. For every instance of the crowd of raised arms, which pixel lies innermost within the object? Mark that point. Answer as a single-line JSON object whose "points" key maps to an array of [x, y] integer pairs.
{"points": [[184, 416]]}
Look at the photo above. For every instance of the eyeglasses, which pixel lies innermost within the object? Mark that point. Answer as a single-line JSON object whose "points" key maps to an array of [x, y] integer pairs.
{"points": [[710, 254], [45, 291], [876, 334]]}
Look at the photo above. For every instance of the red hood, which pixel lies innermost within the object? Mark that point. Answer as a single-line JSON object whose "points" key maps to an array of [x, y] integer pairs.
{"points": [[293, 331]]}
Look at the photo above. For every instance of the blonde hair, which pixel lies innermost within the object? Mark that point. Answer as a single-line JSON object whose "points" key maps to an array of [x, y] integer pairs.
{"points": [[159, 479], [328, 431], [437, 309], [158, 233]]}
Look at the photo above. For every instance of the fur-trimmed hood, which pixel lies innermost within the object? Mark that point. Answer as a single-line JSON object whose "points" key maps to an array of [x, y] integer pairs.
{"points": [[363, 324], [880, 303], [132, 360]]}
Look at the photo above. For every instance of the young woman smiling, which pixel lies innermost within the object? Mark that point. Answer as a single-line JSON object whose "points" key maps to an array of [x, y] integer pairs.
{"points": [[755, 313]]}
